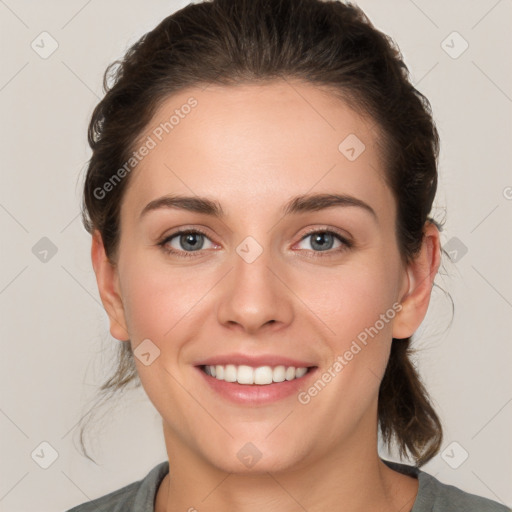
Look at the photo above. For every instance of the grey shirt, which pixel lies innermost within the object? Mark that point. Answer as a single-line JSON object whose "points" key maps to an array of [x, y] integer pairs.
{"points": [[433, 495]]}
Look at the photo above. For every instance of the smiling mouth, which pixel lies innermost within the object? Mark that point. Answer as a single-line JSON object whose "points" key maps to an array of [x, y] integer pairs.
{"points": [[260, 376]]}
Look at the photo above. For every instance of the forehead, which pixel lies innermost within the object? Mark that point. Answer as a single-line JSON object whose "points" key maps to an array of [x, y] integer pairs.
{"points": [[249, 145]]}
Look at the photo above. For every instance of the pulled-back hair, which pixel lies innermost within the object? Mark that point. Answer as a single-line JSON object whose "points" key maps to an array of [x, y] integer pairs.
{"points": [[324, 43]]}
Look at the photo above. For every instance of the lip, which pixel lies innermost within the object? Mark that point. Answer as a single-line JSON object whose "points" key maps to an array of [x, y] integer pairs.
{"points": [[254, 361], [255, 394]]}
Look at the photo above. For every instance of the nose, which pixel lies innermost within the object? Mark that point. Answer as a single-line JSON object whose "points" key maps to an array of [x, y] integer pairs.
{"points": [[255, 295]]}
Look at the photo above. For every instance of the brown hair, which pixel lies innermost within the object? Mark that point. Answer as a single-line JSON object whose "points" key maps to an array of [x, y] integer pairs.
{"points": [[325, 43]]}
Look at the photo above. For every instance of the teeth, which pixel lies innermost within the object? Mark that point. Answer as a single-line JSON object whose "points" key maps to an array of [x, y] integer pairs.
{"points": [[248, 375]]}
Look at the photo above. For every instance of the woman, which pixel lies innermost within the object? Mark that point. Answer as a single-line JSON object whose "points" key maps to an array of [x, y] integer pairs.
{"points": [[258, 199]]}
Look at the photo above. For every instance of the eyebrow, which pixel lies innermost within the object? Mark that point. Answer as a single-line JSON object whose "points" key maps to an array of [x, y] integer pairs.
{"points": [[298, 204]]}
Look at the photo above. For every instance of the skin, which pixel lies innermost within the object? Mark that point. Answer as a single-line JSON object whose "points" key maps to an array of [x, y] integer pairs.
{"points": [[252, 148]]}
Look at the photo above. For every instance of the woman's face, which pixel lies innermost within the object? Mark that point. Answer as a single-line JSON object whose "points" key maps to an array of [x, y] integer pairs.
{"points": [[253, 288]]}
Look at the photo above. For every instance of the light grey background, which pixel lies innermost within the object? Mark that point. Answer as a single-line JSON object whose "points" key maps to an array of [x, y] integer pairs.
{"points": [[55, 342]]}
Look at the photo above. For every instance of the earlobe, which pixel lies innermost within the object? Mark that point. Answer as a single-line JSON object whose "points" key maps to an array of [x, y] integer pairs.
{"points": [[421, 274], [107, 279]]}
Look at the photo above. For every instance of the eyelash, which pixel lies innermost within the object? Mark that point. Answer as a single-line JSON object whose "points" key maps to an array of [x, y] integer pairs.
{"points": [[347, 244], [180, 254]]}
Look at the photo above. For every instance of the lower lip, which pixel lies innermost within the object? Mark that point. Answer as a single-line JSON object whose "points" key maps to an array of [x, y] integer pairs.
{"points": [[255, 394]]}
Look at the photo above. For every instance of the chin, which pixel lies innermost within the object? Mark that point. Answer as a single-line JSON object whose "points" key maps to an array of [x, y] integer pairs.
{"points": [[270, 463], [254, 457]]}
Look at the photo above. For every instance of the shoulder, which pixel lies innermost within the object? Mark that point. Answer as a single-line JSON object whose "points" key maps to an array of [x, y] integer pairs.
{"points": [[113, 502], [443, 497], [436, 496], [135, 497]]}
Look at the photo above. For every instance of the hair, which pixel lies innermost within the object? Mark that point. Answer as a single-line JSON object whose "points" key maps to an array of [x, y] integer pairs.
{"points": [[324, 43]]}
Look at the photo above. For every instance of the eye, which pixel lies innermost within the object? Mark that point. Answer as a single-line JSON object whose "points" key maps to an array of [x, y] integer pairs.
{"points": [[323, 240], [185, 242]]}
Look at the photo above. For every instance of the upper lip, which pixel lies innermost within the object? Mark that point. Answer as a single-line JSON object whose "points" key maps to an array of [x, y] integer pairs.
{"points": [[254, 361]]}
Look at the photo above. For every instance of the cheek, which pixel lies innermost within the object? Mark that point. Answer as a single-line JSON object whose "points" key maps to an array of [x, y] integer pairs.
{"points": [[160, 306], [157, 298], [359, 306], [359, 310], [352, 299]]}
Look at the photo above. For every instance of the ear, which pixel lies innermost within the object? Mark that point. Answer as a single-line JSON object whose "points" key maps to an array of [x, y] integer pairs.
{"points": [[420, 277], [107, 278]]}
